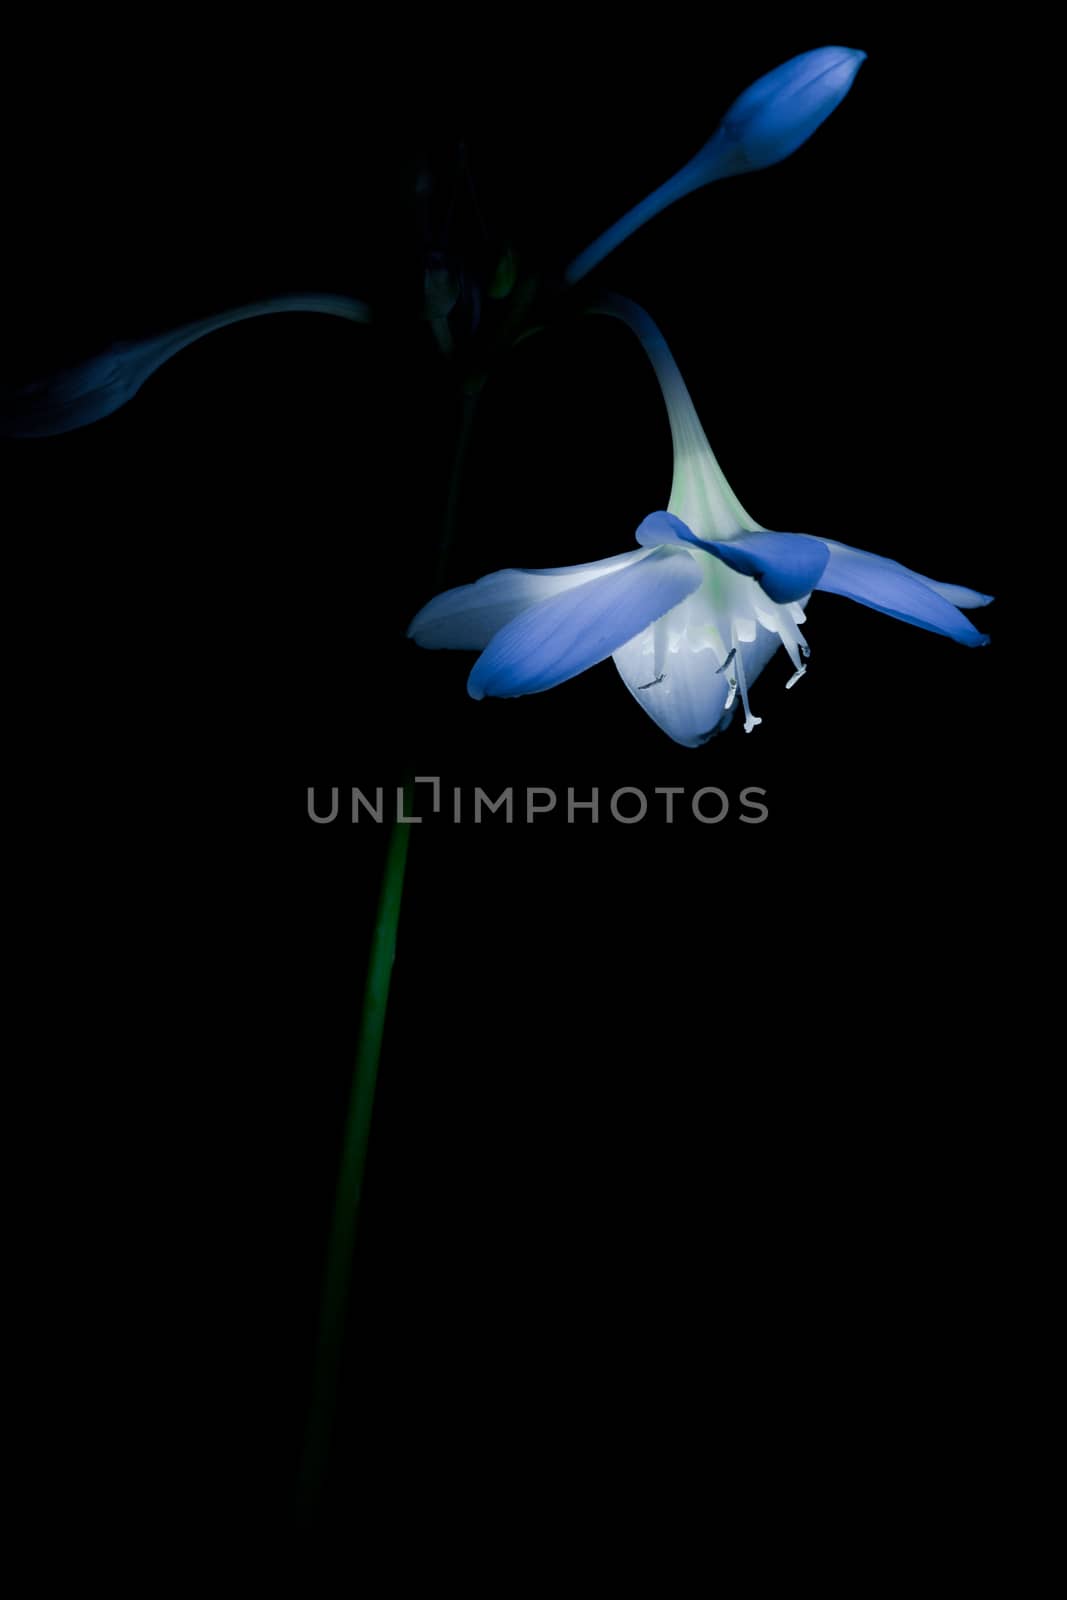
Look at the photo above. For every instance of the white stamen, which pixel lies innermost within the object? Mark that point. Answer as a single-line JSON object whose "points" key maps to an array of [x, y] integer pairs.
{"points": [[750, 721]]}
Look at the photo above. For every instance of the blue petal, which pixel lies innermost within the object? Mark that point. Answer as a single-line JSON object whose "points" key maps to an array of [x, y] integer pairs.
{"points": [[967, 599], [887, 586], [663, 527], [787, 566], [559, 638]]}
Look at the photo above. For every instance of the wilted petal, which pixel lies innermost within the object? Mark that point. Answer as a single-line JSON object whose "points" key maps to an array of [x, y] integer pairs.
{"points": [[887, 586], [467, 618], [562, 636], [96, 388]]}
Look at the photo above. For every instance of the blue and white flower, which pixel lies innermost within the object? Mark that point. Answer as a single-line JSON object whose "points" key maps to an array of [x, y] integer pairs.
{"points": [[695, 613]]}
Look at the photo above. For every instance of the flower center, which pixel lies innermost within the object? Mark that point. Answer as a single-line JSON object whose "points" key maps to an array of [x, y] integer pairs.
{"points": [[732, 617]]}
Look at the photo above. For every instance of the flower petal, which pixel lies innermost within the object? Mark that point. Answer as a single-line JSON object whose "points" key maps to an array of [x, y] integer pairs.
{"points": [[786, 566], [562, 636], [467, 618], [686, 696], [967, 599], [886, 586], [663, 527]]}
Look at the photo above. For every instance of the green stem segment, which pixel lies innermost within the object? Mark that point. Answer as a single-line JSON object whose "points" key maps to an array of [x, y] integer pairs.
{"points": [[339, 1251], [353, 1160]]}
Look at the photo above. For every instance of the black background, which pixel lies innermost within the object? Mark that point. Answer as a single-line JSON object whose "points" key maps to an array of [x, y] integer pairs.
{"points": [[674, 1123]]}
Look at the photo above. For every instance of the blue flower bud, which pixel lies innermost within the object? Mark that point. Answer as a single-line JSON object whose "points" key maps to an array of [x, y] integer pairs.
{"points": [[777, 113], [99, 386], [766, 123]]}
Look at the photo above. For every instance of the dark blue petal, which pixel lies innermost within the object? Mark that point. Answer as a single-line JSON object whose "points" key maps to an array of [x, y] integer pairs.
{"points": [[786, 566], [561, 637], [887, 587]]}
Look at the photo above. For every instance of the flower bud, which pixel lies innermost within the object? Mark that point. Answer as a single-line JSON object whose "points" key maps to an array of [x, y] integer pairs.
{"points": [[766, 123], [777, 113], [99, 386]]}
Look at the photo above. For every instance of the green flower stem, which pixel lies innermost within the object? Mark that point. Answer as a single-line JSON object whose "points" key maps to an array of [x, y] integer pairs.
{"points": [[339, 1250], [353, 1160]]}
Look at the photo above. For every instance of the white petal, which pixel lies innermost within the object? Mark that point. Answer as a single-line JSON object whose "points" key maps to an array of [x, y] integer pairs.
{"points": [[758, 651], [467, 618], [694, 699], [687, 697]]}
